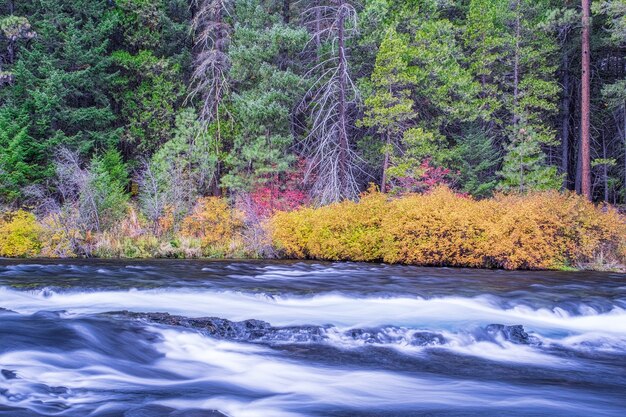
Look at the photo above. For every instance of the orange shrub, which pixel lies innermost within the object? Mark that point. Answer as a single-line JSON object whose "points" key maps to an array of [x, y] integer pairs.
{"points": [[215, 224], [546, 230], [551, 230], [439, 228]]}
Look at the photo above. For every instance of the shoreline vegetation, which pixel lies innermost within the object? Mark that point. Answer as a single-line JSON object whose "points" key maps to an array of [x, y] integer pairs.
{"points": [[252, 129], [536, 231]]}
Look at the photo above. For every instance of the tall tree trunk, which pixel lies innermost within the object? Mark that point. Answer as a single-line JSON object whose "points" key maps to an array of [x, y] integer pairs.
{"points": [[342, 108], [286, 11], [579, 168], [605, 171], [624, 134], [585, 105], [218, 100], [565, 115], [516, 71], [383, 183]]}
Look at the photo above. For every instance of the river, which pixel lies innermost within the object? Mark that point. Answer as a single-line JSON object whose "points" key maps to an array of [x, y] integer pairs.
{"points": [[271, 339]]}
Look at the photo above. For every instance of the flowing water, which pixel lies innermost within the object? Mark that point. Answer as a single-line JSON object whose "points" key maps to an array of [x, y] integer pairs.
{"points": [[271, 339]]}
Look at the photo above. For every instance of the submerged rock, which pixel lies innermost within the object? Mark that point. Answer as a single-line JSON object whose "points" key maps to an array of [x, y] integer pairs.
{"points": [[164, 411], [365, 335], [259, 331], [391, 335], [7, 374], [427, 339], [514, 334], [247, 330]]}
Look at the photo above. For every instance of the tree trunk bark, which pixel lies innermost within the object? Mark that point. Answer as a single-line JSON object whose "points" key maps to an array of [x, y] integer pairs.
{"points": [[286, 11], [217, 191], [624, 134], [585, 105], [579, 166], [383, 184], [516, 72], [565, 115], [605, 171], [341, 105]]}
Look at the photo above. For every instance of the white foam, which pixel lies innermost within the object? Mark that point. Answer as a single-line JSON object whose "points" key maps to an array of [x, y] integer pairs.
{"points": [[437, 313], [281, 387]]}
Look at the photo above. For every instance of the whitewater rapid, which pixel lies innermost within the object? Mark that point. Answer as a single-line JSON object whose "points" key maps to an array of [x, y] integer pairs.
{"points": [[256, 339]]}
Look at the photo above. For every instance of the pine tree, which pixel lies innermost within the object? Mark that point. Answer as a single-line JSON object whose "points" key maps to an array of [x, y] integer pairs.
{"points": [[486, 39], [524, 167], [60, 87], [476, 160], [17, 158], [389, 106], [265, 90], [147, 93]]}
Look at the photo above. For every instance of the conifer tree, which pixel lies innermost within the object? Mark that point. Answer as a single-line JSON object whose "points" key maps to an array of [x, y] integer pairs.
{"points": [[264, 91], [389, 106]]}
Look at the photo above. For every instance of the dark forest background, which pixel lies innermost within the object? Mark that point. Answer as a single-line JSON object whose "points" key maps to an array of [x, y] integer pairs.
{"points": [[164, 101]]}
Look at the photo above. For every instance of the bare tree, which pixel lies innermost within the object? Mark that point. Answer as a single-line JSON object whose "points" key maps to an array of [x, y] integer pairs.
{"points": [[152, 198], [166, 186], [74, 183], [71, 201], [209, 80], [332, 100]]}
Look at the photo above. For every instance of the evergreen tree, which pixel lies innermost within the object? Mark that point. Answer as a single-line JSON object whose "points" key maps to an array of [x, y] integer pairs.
{"points": [[105, 190], [524, 167], [389, 106], [18, 152], [61, 81], [147, 94], [476, 160], [265, 90], [487, 39]]}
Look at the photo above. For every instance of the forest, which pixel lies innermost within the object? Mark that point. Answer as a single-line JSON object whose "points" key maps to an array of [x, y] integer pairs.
{"points": [[148, 114]]}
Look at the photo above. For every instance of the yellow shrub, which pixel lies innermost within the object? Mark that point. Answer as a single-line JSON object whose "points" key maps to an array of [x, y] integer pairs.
{"points": [[215, 224], [58, 240], [436, 229], [546, 230], [551, 230], [19, 235], [342, 231]]}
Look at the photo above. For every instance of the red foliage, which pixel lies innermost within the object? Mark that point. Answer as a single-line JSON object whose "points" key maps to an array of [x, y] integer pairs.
{"points": [[431, 177], [280, 192]]}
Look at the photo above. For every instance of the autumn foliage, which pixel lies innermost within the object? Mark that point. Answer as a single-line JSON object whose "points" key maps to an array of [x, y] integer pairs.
{"points": [[280, 192], [19, 234], [547, 230], [215, 224], [538, 231]]}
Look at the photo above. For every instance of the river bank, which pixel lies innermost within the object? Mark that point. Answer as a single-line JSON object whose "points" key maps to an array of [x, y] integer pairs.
{"points": [[540, 231]]}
